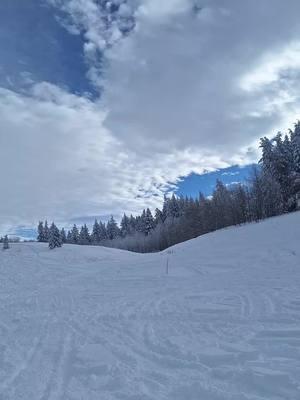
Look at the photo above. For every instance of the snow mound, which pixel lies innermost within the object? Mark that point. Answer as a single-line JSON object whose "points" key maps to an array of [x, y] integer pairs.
{"points": [[90, 323]]}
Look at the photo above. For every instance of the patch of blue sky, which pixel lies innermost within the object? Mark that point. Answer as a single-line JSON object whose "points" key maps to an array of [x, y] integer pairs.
{"points": [[35, 47], [193, 184]]}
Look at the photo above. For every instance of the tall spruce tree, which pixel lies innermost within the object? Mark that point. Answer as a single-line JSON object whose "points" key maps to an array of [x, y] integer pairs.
{"points": [[5, 243], [112, 229], [95, 236], [54, 237], [74, 235], [46, 231], [63, 236], [41, 234], [148, 222], [84, 236]]}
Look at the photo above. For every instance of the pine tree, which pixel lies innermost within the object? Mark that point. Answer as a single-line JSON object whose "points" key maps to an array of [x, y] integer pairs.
{"points": [[5, 243], [267, 155], [164, 212], [84, 236], [41, 235], [46, 232], [132, 225], [112, 229], [74, 235], [125, 226], [174, 207], [95, 236], [63, 236], [158, 219], [102, 232], [295, 139], [148, 222], [54, 237], [69, 237]]}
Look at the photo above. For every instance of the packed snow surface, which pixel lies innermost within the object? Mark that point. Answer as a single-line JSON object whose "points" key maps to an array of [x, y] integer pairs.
{"points": [[89, 323]]}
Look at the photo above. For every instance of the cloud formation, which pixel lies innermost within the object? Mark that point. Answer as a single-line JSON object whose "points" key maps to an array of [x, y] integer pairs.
{"points": [[62, 163], [183, 86]]}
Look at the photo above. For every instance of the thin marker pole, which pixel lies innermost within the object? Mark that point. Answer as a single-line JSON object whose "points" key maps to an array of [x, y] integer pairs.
{"points": [[167, 266]]}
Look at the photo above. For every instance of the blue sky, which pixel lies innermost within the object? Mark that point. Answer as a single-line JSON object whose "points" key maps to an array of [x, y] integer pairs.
{"points": [[107, 105], [205, 183], [34, 45]]}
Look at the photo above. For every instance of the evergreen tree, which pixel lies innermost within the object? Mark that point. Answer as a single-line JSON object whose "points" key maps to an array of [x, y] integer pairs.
{"points": [[41, 235], [102, 232], [95, 236], [74, 235], [84, 236], [221, 202], [158, 219], [46, 232], [165, 209], [63, 236], [132, 225], [295, 139], [148, 222], [125, 226], [267, 155], [5, 243], [112, 229], [173, 209], [54, 237], [69, 237]]}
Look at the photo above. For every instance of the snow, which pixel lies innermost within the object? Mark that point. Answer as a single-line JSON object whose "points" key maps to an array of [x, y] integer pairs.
{"points": [[89, 323]]}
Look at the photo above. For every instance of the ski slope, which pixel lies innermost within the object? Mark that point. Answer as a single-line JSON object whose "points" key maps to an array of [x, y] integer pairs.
{"points": [[89, 323]]}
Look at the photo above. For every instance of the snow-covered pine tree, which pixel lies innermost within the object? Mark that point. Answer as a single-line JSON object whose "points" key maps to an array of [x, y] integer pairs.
{"points": [[112, 229], [84, 236], [54, 237], [282, 168], [74, 235], [63, 236], [125, 226], [173, 207], [95, 236], [40, 229], [158, 216], [102, 232], [165, 209], [46, 231], [148, 222], [132, 224], [295, 139], [142, 223], [5, 243], [69, 237], [267, 155]]}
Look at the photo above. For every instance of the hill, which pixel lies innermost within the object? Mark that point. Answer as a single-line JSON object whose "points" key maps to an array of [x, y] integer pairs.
{"points": [[96, 323]]}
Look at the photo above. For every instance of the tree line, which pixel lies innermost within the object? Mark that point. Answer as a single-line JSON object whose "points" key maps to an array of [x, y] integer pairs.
{"points": [[272, 189]]}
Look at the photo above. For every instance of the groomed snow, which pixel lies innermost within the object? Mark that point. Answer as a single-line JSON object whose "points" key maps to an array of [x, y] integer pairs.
{"points": [[89, 323]]}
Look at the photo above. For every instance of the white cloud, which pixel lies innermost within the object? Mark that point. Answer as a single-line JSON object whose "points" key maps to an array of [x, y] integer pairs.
{"points": [[159, 11], [272, 67], [62, 163], [191, 86]]}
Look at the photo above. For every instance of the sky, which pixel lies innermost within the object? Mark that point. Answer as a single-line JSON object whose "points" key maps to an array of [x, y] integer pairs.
{"points": [[107, 105]]}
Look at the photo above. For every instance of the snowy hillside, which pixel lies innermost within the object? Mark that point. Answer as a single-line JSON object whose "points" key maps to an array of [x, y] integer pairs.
{"points": [[90, 323]]}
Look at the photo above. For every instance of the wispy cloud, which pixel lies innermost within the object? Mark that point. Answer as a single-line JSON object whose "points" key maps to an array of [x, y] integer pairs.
{"points": [[183, 86], [62, 163]]}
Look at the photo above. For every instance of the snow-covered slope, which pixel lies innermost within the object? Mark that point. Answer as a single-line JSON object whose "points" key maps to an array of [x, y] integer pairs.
{"points": [[89, 323]]}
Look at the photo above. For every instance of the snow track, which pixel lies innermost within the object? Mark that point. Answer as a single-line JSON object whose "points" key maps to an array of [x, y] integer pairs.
{"points": [[86, 323]]}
